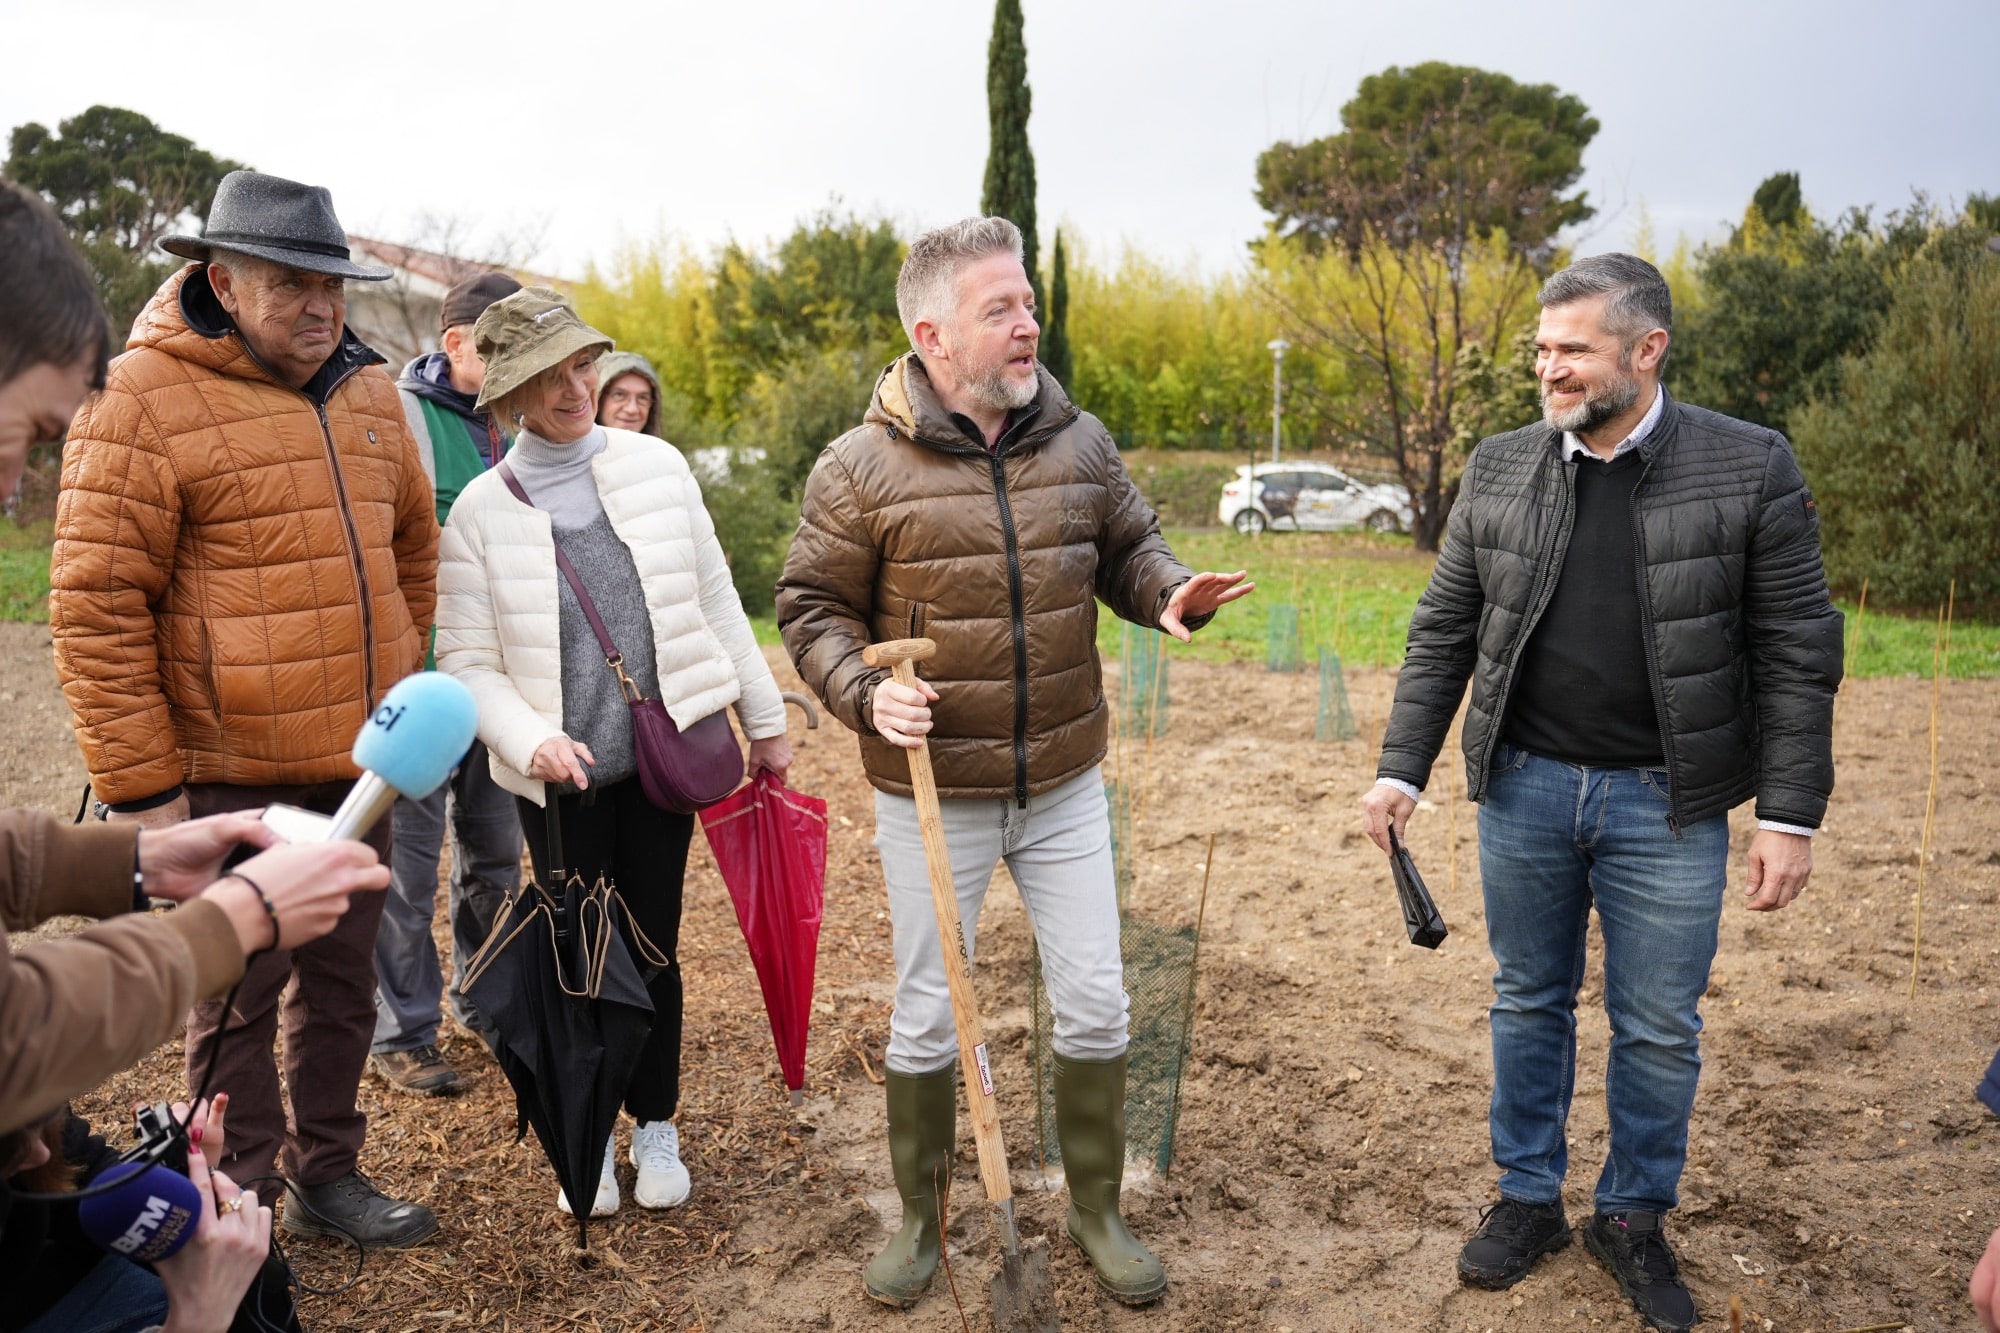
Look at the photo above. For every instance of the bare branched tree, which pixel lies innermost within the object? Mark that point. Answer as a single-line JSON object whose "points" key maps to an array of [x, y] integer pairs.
{"points": [[1420, 230], [399, 318]]}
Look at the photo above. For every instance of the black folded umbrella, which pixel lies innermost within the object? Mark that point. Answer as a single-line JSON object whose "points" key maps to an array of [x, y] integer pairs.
{"points": [[570, 1016], [1420, 914]]}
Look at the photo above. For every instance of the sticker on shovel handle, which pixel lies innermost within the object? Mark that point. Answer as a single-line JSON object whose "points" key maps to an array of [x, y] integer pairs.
{"points": [[985, 1073]]}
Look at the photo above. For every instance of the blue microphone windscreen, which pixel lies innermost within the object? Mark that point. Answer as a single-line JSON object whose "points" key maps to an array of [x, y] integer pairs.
{"points": [[423, 728], [149, 1216]]}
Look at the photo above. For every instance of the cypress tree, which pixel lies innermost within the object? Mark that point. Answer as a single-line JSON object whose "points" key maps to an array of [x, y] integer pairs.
{"points": [[1009, 191], [1055, 325]]}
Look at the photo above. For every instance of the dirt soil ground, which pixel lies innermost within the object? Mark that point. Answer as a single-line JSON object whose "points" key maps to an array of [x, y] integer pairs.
{"points": [[1332, 1156]]}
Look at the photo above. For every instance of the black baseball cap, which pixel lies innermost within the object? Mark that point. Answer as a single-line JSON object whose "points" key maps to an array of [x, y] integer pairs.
{"points": [[467, 301]]}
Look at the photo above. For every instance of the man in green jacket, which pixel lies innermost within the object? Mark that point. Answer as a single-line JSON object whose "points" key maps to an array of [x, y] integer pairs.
{"points": [[457, 443], [976, 506]]}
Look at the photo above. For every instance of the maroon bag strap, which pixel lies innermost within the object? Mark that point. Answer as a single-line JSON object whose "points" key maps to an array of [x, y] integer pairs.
{"points": [[611, 653]]}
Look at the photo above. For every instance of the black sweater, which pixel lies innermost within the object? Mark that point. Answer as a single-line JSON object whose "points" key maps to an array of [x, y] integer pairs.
{"points": [[1584, 694]]}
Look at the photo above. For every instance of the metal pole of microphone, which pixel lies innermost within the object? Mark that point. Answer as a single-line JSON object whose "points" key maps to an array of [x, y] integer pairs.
{"points": [[367, 801]]}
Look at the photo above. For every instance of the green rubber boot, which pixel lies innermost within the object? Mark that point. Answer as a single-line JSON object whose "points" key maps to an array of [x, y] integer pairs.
{"points": [[923, 1124], [1090, 1126]]}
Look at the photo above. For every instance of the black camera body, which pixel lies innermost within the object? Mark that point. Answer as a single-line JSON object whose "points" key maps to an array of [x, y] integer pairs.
{"points": [[162, 1140]]}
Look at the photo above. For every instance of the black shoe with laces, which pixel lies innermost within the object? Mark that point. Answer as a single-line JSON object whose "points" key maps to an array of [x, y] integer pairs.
{"points": [[1633, 1246], [1511, 1236], [353, 1208]]}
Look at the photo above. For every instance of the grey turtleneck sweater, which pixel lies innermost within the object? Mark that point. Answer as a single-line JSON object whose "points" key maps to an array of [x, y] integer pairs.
{"points": [[557, 477]]}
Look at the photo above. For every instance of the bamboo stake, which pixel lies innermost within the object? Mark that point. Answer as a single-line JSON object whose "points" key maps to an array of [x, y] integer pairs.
{"points": [[1451, 814], [1389, 700], [1187, 1009], [1152, 725], [1853, 651], [1940, 660], [1340, 612]]}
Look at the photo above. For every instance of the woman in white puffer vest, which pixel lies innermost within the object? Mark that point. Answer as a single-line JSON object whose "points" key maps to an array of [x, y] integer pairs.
{"points": [[629, 517]]}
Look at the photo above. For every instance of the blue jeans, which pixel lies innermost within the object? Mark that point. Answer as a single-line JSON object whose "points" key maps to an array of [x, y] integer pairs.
{"points": [[117, 1296], [1554, 840]]}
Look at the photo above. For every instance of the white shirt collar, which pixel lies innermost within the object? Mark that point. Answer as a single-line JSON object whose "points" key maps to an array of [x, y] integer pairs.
{"points": [[1572, 446]]}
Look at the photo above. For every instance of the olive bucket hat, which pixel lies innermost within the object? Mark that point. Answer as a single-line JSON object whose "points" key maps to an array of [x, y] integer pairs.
{"points": [[268, 217], [522, 335]]}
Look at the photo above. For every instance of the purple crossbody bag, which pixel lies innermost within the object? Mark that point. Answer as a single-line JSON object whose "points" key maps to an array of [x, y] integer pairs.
{"points": [[680, 771]]}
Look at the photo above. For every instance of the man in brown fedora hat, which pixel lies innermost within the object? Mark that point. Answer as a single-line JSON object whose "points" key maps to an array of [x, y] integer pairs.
{"points": [[244, 564], [456, 442]]}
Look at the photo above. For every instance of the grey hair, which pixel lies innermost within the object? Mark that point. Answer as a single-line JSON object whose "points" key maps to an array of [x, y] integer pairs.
{"points": [[1637, 299], [927, 288]]}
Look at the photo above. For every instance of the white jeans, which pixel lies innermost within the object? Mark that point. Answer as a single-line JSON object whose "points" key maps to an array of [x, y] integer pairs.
{"points": [[1059, 852]]}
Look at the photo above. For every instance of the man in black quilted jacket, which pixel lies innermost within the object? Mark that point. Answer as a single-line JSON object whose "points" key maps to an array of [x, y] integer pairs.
{"points": [[1633, 587]]}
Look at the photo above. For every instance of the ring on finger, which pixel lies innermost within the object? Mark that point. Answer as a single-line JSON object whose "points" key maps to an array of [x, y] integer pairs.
{"points": [[228, 1206]]}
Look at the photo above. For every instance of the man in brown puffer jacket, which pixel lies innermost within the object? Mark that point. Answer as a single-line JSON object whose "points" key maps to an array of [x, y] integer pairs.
{"points": [[976, 506], [245, 562]]}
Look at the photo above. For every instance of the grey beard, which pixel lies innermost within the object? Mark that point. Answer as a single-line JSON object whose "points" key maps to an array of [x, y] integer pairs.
{"points": [[992, 388], [1596, 408]]}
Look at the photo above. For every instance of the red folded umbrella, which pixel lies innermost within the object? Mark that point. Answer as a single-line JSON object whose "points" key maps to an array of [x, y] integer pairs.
{"points": [[770, 844]]}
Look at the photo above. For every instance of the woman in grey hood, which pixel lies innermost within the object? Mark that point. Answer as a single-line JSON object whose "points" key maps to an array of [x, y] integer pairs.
{"points": [[630, 398]]}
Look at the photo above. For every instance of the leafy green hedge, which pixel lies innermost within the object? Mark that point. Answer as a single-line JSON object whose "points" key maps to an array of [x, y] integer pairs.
{"points": [[1903, 456]]}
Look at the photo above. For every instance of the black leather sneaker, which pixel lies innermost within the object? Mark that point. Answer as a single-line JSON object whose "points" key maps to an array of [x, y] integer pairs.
{"points": [[1511, 1236], [1634, 1247], [352, 1207]]}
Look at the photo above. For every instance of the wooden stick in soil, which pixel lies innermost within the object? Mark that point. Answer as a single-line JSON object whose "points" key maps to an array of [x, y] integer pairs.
{"points": [[1152, 725], [1853, 649], [1023, 1296], [1340, 611], [1938, 661], [1451, 814], [1187, 1008]]}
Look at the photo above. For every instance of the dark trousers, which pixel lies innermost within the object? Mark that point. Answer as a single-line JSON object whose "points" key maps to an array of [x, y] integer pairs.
{"points": [[641, 850], [485, 838], [326, 993]]}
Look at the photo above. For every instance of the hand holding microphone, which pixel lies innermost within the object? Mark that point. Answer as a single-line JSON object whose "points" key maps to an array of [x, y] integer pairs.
{"points": [[297, 891], [180, 860]]}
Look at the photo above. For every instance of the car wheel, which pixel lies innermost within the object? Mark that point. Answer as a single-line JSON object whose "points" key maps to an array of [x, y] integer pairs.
{"points": [[1249, 521], [1382, 520]]}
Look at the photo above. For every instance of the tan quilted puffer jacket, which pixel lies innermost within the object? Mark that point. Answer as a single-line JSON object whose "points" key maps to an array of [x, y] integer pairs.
{"points": [[241, 570], [911, 528]]}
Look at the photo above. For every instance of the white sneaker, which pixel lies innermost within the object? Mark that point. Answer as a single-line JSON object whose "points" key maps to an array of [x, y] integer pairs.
{"points": [[606, 1202], [656, 1151]]}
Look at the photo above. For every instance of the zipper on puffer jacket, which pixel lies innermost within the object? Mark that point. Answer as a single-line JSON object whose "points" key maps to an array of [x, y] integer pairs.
{"points": [[1653, 681], [1016, 604], [1548, 571], [353, 545]]}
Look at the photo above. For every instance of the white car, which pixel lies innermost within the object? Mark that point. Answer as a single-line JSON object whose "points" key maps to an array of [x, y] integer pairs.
{"points": [[1310, 497]]}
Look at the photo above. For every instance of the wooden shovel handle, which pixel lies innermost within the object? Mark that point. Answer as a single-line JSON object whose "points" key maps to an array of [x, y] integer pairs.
{"points": [[978, 1074]]}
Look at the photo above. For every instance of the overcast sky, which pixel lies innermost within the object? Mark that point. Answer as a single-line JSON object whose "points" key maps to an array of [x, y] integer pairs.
{"points": [[593, 124]]}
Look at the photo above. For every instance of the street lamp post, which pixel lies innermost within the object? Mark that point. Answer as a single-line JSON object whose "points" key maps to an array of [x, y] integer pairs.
{"points": [[1278, 347]]}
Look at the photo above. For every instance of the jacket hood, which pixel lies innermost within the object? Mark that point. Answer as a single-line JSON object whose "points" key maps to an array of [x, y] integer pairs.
{"points": [[613, 364], [905, 399], [186, 321], [429, 376]]}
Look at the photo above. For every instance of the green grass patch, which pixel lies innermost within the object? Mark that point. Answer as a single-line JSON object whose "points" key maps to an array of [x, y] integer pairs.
{"points": [[1354, 591], [24, 569], [1893, 645]]}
